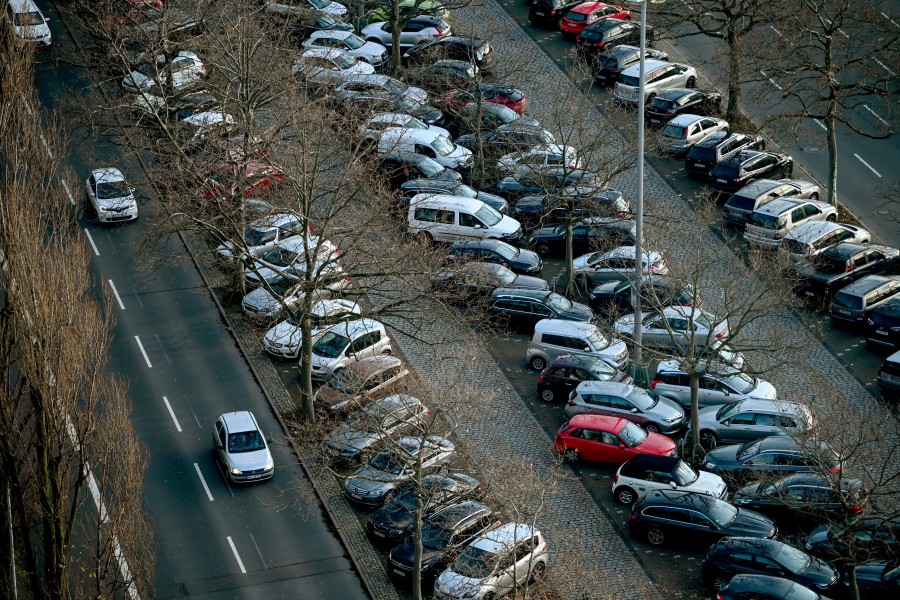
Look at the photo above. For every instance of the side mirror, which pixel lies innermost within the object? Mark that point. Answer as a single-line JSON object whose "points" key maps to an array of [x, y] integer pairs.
{"points": [[634, 411], [673, 484], [585, 349], [478, 226], [621, 446], [351, 355]]}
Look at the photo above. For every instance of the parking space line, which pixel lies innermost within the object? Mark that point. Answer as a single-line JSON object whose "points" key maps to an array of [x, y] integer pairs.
{"points": [[883, 66], [236, 555], [174, 418], [875, 114], [112, 286], [144, 352], [867, 164], [91, 240], [891, 20], [820, 124], [209, 495]]}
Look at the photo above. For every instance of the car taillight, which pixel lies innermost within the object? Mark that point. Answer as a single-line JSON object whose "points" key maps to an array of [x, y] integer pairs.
{"points": [[620, 215], [855, 509], [861, 314], [542, 379], [848, 269], [571, 403], [835, 469], [719, 336], [505, 265], [688, 303], [720, 596], [439, 33], [653, 383], [684, 135], [616, 478], [633, 517]]}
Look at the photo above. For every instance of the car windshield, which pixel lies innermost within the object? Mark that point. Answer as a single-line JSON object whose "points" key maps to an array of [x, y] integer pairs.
{"points": [[475, 563], [674, 131], [112, 189], [727, 410], [245, 441], [740, 382], [387, 462], [558, 302], [435, 537], [630, 81], [147, 70], [749, 449], [632, 435], [642, 399], [414, 123], [684, 474], [258, 237], [597, 340], [505, 277], [795, 246], [488, 215], [848, 300], [406, 104], [344, 381], [345, 60], [29, 19], [430, 168], [280, 257], [830, 264], [330, 345], [354, 42], [507, 251], [465, 191], [662, 104], [793, 559], [720, 512], [442, 146], [394, 86], [601, 370]]}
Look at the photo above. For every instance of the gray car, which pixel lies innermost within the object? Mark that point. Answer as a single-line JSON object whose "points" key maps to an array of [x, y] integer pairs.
{"points": [[720, 384], [675, 326], [626, 401], [372, 425], [751, 419], [375, 482]]}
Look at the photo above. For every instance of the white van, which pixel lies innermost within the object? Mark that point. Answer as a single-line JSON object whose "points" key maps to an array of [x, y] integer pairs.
{"points": [[427, 142], [445, 218], [28, 22]]}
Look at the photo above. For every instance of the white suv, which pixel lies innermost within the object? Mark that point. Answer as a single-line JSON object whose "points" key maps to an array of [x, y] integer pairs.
{"points": [[346, 343], [659, 76], [494, 564], [648, 472], [767, 226]]}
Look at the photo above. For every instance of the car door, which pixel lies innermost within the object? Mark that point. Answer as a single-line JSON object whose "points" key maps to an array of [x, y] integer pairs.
{"points": [[534, 312], [766, 424], [739, 429], [524, 563], [363, 346], [221, 442], [504, 573], [564, 379], [91, 190], [713, 391], [470, 227]]}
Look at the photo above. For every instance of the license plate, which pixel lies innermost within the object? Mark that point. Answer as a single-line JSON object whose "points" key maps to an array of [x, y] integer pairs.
{"points": [[399, 572], [698, 165], [378, 533], [721, 180], [809, 293], [655, 121], [601, 76], [540, 14], [892, 378], [881, 332]]}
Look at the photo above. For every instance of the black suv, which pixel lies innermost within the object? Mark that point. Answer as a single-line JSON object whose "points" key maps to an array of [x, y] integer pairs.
{"points": [[524, 262], [610, 64], [736, 171], [704, 155], [803, 496], [403, 166], [695, 517], [490, 115], [559, 379], [548, 13], [444, 534], [605, 33], [678, 101], [455, 47], [841, 265], [883, 325], [614, 297], [408, 189], [581, 202], [588, 236], [506, 139], [522, 309]]}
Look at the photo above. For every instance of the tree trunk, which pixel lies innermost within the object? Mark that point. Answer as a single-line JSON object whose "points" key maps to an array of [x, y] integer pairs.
{"points": [[417, 529], [733, 39], [570, 259], [395, 36], [852, 584], [307, 409], [696, 449]]}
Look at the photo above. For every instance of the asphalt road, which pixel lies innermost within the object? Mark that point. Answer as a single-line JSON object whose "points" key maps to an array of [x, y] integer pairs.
{"points": [[213, 540]]}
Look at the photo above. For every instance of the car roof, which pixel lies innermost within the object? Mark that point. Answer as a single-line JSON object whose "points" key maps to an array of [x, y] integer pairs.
{"points": [[108, 174], [322, 52], [448, 517], [779, 205], [713, 367], [758, 187], [239, 421], [845, 250], [577, 360], [369, 366], [534, 294], [586, 7], [684, 120], [354, 329], [331, 305], [563, 326], [394, 134], [392, 403], [777, 587], [335, 33], [390, 117], [274, 220], [604, 422], [613, 388], [653, 461], [674, 93], [500, 539], [813, 230], [446, 201], [784, 407], [680, 498], [21, 6], [621, 49], [649, 65], [631, 252], [760, 545], [863, 286]]}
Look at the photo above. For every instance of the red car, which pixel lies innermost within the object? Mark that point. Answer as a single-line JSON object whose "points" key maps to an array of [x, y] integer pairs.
{"points": [[498, 94], [590, 12], [600, 438], [259, 179]]}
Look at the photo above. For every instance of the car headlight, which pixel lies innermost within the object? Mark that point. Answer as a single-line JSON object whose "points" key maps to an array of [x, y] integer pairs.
{"points": [[132, 205], [102, 208], [742, 500], [235, 471], [270, 465]]}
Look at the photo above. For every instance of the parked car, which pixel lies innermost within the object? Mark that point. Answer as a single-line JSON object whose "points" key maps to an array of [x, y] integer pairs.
{"points": [[601, 438], [186, 70], [524, 262], [587, 235], [477, 280], [486, 117], [676, 101], [694, 517], [753, 556], [523, 309], [329, 66], [372, 128], [404, 166], [489, 92], [680, 134], [588, 13], [606, 33], [344, 343], [577, 202], [286, 8], [739, 169], [768, 226], [876, 580], [853, 304], [547, 13], [555, 337], [675, 326], [608, 65], [642, 407], [241, 448], [443, 74], [262, 235], [751, 419], [410, 189], [382, 12], [495, 564], [766, 587], [883, 325], [443, 218], [28, 23], [285, 293], [659, 76], [869, 537], [566, 371], [415, 30], [359, 105], [362, 382], [283, 339], [812, 238], [704, 155], [373, 425], [537, 158], [760, 192], [377, 83], [771, 455], [646, 473], [802, 496], [426, 142], [110, 196], [445, 533], [839, 266], [617, 264], [288, 256], [376, 482], [615, 297], [303, 25], [457, 47], [888, 377], [370, 52], [392, 522], [553, 180], [719, 384]]}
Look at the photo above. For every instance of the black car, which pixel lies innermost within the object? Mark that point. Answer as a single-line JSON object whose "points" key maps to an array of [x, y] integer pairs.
{"points": [[506, 139], [516, 260], [403, 166], [444, 534], [304, 24], [704, 155], [549, 180], [456, 47], [695, 517], [408, 189], [872, 537], [839, 266], [803, 496], [391, 522], [606, 33], [883, 325], [739, 169], [752, 556], [558, 380], [475, 280], [609, 65], [442, 75], [591, 235], [669, 104], [580, 202], [774, 454], [522, 309], [363, 103], [489, 116], [766, 587], [877, 580], [615, 297], [548, 13]]}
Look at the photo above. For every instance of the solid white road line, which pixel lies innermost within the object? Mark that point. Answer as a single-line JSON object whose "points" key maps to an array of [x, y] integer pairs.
{"points": [[144, 352], [258, 553], [883, 66], [236, 555], [209, 495], [68, 192], [174, 418], [91, 240], [772, 27], [867, 164], [117, 549], [875, 114], [891, 20], [116, 292], [820, 124]]}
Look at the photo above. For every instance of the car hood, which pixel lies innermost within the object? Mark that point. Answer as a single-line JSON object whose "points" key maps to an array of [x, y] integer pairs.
{"points": [[526, 260], [819, 574], [250, 461], [404, 554], [707, 416], [750, 523], [707, 483], [284, 332], [807, 270], [360, 68], [455, 585], [334, 9], [261, 300], [748, 491], [870, 572], [370, 49], [346, 437], [582, 261], [764, 389], [393, 516], [372, 480], [530, 205], [417, 94], [138, 80], [579, 312], [427, 113], [524, 282], [507, 225], [332, 398], [493, 200], [656, 444], [606, 289], [723, 456]]}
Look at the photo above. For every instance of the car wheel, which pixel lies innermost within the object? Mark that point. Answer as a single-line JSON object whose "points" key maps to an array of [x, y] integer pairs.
{"points": [[386, 352], [831, 218], [543, 250], [490, 596], [426, 239], [651, 428], [571, 455], [537, 573], [625, 495], [787, 172], [538, 363], [708, 440], [691, 82], [656, 536], [547, 395], [814, 196]]}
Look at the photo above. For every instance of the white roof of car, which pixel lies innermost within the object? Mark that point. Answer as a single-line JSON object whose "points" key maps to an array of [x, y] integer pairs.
{"points": [[813, 230], [205, 118], [334, 305], [376, 78], [685, 120], [323, 53], [330, 33], [239, 421], [23, 6], [394, 134], [563, 326], [499, 539], [354, 329], [108, 174], [395, 118], [429, 200], [649, 65], [275, 220], [631, 252], [608, 387]]}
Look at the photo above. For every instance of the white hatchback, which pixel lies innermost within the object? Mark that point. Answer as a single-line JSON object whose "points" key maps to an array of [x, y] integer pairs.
{"points": [[283, 340], [372, 53], [375, 126], [28, 22], [684, 131], [110, 196], [187, 69], [539, 157], [329, 66], [648, 472]]}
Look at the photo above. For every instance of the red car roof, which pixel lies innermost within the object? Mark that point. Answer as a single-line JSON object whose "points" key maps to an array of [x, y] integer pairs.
{"points": [[604, 422]]}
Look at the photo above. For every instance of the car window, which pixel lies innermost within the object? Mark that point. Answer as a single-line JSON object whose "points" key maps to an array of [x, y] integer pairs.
{"points": [[523, 550], [810, 210], [610, 438], [467, 220], [742, 419]]}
